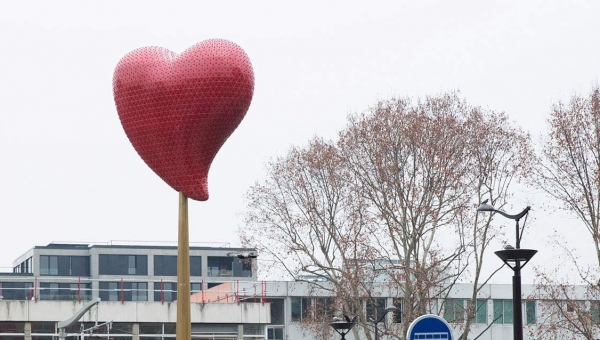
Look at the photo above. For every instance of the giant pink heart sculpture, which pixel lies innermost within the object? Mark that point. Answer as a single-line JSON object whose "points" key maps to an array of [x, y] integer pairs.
{"points": [[178, 110]]}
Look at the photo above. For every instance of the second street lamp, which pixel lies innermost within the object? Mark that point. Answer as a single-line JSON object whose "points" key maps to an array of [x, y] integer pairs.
{"points": [[516, 258], [343, 326], [385, 311]]}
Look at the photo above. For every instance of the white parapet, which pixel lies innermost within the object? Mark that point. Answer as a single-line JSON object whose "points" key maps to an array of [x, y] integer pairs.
{"points": [[52, 311]]}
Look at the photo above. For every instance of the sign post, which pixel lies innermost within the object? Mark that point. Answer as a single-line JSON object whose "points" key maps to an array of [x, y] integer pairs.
{"points": [[429, 326]]}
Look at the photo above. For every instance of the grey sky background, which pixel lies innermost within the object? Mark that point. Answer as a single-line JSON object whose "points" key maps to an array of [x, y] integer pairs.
{"points": [[69, 173]]}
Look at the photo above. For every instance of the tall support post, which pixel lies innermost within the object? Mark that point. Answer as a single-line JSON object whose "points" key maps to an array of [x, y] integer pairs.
{"points": [[184, 322], [517, 310]]}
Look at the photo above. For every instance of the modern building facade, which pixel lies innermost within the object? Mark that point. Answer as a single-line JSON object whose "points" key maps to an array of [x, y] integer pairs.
{"points": [[136, 285]]}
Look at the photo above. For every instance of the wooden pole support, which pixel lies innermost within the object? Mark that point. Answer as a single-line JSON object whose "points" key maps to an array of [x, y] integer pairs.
{"points": [[184, 322]]}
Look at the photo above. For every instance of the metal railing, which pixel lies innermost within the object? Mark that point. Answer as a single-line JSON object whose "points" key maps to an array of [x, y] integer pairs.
{"points": [[84, 289]]}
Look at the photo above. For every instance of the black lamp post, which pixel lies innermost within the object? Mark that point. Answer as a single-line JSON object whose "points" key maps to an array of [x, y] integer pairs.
{"points": [[513, 257], [343, 326], [385, 311]]}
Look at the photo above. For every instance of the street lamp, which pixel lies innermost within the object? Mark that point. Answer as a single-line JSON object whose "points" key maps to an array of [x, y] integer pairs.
{"points": [[515, 256], [343, 326], [385, 311]]}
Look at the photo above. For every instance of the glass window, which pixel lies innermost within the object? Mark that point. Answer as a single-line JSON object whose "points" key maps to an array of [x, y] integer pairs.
{"points": [[252, 329], [275, 333], [121, 328], [65, 265], [25, 267], [139, 291], [16, 290], [151, 328], [242, 267], [165, 265], [397, 316], [195, 265], [110, 291], [113, 264], [169, 328], [375, 308], [480, 311], [595, 311], [131, 264], [78, 266], [324, 306], [168, 291], [12, 327], [503, 311], [48, 265], [43, 327], [220, 266], [454, 310], [195, 287], [277, 311], [530, 311], [299, 308]]}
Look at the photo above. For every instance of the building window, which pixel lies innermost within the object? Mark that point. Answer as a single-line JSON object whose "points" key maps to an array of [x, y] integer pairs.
{"points": [[397, 316], [109, 291], [242, 268], [165, 265], [530, 312], [324, 307], [65, 291], [480, 312], [43, 327], [26, 267], [110, 264], [375, 308], [168, 291], [195, 288], [595, 311], [139, 291], [503, 312], [65, 265], [131, 264], [12, 327], [16, 290], [300, 308], [48, 265], [125, 291], [454, 310], [275, 333], [220, 266], [277, 311], [195, 265]]}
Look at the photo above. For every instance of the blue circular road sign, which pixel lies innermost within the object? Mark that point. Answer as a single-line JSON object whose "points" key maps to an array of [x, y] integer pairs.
{"points": [[429, 327]]}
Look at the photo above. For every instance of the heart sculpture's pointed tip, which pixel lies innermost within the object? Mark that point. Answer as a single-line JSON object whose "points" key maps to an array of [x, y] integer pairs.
{"points": [[199, 192]]}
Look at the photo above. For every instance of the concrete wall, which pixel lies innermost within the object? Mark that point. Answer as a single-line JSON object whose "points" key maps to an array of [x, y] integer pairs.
{"points": [[31, 311]]}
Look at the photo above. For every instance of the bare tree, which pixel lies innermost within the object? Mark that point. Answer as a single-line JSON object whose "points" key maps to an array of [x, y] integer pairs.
{"points": [[501, 155], [565, 311], [569, 169], [307, 218], [372, 208]]}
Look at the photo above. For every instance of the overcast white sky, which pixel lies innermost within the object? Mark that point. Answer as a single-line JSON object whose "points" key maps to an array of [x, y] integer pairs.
{"points": [[69, 173]]}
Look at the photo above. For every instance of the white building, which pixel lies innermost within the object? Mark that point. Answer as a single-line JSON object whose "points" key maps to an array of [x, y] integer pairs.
{"points": [[137, 288]]}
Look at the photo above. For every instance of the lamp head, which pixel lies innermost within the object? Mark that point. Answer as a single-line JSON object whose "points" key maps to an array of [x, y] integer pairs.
{"points": [[389, 309], [486, 207]]}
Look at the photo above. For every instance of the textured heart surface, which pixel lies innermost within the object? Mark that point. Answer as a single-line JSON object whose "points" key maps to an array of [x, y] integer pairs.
{"points": [[178, 110]]}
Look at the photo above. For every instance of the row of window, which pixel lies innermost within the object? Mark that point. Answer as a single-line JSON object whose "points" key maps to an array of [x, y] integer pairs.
{"points": [[455, 310], [306, 307], [164, 265]]}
